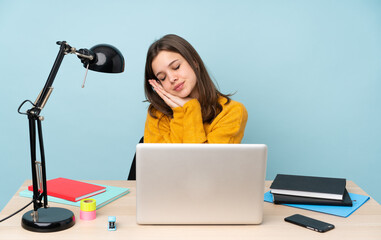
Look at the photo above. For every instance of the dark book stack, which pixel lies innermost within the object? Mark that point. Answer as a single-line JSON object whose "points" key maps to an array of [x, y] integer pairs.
{"points": [[294, 189]]}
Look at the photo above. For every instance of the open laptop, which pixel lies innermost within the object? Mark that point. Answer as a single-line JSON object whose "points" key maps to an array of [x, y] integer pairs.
{"points": [[200, 183]]}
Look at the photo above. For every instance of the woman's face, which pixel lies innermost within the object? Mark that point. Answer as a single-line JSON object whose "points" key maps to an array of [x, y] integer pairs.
{"points": [[175, 74]]}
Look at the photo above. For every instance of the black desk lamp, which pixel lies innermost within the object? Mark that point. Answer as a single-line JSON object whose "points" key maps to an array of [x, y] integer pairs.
{"points": [[100, 58]]}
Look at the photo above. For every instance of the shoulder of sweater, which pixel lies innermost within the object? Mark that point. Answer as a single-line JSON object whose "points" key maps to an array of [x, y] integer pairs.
{"points": [[156, 113], [231, 104]]}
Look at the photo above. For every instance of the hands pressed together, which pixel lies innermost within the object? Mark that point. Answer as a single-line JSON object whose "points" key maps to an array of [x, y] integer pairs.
{"points": [[170, 99]]}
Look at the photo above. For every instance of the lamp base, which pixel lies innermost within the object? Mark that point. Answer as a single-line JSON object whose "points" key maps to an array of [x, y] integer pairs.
{"points": [[50, 219]]}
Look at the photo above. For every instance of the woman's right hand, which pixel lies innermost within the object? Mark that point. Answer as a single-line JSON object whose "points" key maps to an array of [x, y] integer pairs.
{"points": [[171, 100]]}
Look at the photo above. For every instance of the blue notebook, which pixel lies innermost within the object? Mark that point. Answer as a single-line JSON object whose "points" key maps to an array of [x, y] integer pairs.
{"points": [[341, 211], [110, 195]]}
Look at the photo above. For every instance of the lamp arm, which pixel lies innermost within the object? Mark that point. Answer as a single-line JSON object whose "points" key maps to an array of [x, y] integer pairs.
{"points": [[83, 54], [45, 92]]}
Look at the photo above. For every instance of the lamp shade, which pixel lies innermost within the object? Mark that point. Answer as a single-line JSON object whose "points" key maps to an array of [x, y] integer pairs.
{"points": [[107, 59]]}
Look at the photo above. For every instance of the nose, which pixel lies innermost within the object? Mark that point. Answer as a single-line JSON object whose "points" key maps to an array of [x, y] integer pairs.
{"points": [[172, 77]]}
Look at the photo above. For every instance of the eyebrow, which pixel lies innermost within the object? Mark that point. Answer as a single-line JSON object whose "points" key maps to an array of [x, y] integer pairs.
{"points": [[168, 66]]}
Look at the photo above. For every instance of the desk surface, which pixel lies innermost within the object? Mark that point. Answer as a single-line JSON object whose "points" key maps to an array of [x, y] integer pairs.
{"points": [[365, 223]]}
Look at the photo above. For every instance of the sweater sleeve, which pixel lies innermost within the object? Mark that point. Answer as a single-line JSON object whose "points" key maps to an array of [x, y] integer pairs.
{"points": [[229, 126], [186, 126], [194, 131], [162, 129]]}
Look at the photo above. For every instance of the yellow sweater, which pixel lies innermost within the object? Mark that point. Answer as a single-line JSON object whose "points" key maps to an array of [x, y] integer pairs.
{"points": [[186, 126]]}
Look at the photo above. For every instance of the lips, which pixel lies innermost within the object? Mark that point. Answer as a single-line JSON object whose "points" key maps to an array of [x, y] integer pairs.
{"points": [[179, 87]]}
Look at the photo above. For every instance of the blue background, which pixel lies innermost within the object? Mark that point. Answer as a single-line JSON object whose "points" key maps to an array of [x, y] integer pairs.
{"points": [[308, 72]]}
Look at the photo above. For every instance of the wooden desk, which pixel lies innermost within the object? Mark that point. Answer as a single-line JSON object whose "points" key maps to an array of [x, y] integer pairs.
{"points": [[365, 223]]}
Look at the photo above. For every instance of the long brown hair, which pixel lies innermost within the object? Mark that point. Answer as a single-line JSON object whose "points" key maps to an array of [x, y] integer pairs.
{"points": [[208, 93]]}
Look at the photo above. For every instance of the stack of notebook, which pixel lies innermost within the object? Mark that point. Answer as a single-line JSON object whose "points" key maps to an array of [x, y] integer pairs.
{"points": [[68, 191], [294, 189]]}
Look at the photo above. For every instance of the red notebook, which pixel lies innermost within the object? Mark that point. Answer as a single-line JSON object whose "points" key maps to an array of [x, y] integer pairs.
{"points": [[71, 190]]}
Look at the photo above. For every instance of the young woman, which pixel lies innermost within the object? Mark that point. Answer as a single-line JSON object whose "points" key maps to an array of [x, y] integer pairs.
{"points": [[185, 106]]}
